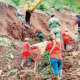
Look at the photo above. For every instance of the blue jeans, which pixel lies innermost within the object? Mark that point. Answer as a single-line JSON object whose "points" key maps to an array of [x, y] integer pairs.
{"points": [[56, 65], [79, 40]]}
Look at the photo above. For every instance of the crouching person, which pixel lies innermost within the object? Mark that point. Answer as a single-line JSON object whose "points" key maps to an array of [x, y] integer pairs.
{"points": [[40, 35], [25, 52], [55, 56]]}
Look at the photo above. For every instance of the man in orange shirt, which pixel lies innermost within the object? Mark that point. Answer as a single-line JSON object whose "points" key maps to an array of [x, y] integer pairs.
{"points": [[66, 39], [25, 51], [55, 56]]}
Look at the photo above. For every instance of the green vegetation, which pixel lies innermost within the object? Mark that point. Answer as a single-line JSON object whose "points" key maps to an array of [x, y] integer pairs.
{"points": [[47, 4], [7, 47], [17, 2], [13, 72], [30, 74], [44, 67]]}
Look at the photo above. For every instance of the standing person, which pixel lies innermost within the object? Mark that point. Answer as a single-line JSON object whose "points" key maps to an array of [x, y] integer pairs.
{"points": [[55, 56], [66, 39], [54, 24], [39, 34], [77, 29], [25, 51]]}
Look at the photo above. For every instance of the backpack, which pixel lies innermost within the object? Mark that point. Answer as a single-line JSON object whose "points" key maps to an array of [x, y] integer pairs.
{"points": [[40, 33]]}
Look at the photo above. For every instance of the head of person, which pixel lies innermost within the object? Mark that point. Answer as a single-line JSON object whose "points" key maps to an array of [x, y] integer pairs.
{"points": [[52, 15], [51, 37], [66, 30], [78, 15], [37, 29], [26, 39]]}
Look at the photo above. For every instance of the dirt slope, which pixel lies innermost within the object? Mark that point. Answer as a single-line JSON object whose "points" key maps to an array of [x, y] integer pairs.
{"points": [[11, 27]]}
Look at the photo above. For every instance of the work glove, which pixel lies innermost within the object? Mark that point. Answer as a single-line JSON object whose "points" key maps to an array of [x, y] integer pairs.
{"points": [[47, 39], [76, 35]]}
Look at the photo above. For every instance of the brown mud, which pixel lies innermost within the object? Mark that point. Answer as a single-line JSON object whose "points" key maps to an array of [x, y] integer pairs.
{"points": [[12, 28]]}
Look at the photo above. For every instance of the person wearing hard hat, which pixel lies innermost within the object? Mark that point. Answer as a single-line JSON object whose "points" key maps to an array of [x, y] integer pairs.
{"points": [[39, 34], [54, 24], [55, 56], [66, 39], [77, 29], [25, 51]]}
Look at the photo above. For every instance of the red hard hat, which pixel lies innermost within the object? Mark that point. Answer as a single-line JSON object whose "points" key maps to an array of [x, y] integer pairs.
{"points": [[37, 28]]}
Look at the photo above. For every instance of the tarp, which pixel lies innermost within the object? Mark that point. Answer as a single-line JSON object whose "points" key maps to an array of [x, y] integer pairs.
{"points": [[41, 48]]}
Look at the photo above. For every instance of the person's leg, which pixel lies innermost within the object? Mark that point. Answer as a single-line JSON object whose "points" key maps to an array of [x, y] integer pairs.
{"points": [[68, 44], [68, 47], [65, 46], [60, 68], [23, 61], [79, 40], [30, 59], [42, 38], [57, 36], [54, 65], [29, 54], [64, 41]]}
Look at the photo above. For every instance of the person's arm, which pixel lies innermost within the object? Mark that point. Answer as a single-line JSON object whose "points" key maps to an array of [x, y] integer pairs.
{"points": [[49, 23], [47, 47], [76, 26], [36, 32], [59, 23]]}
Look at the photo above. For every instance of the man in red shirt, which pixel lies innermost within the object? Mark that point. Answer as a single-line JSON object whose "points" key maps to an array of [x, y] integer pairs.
{"points": [[25, 51], [66, 39], [55, 56]]}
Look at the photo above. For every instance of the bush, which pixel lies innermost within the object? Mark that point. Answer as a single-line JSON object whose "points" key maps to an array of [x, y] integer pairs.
{"points": [[16, 2], [42, 7], [58, 9]]}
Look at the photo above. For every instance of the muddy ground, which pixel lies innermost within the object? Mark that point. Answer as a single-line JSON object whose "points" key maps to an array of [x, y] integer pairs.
{"points": [[12, 29]]}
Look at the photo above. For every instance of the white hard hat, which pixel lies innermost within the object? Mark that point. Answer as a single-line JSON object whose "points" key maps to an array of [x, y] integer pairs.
{"points": [[26, 39], [66, 29]]}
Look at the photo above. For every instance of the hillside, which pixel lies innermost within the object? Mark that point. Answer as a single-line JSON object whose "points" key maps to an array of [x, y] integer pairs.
{"points": [[12, 34]]}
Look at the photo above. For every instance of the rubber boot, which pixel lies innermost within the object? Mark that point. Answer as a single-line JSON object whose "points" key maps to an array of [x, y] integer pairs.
{"points": [[22, 64], [68, 47]]}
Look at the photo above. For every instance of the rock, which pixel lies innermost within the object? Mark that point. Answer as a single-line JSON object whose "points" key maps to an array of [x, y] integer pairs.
{"points": [[74, 53], [78, 73], [9, 67], [0, 72]]}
